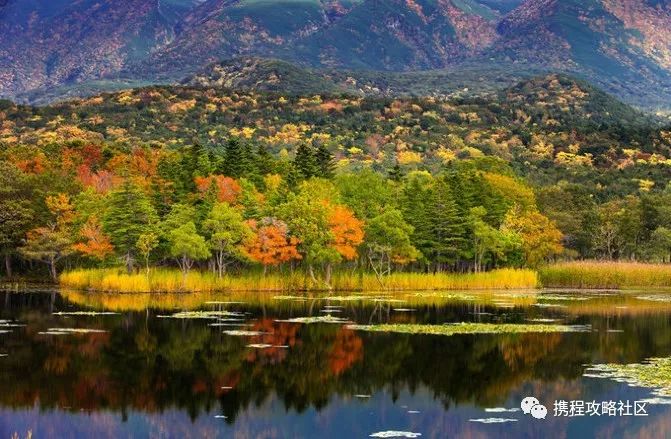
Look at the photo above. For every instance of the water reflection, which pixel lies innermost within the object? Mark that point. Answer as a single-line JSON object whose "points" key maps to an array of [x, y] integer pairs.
{"points": [[154, 376]]}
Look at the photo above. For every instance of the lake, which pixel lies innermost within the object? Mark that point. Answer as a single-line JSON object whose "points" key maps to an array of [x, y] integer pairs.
{"points": [[74, 364]]}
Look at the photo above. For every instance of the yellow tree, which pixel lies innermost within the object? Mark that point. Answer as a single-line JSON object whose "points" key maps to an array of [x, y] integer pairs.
{"points": [[541, 239], [53, 242]]}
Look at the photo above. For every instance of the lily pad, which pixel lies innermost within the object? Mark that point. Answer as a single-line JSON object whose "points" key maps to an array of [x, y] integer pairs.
{"points": [[470, 328], [85, 313], [241, 333], [318, 319], [654, 373], [67, 331], [201, 315]]}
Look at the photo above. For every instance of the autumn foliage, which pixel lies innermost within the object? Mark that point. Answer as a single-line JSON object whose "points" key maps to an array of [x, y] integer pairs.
{"points": [[347, 231], [227, 189], [272, 244], [95, 243]]}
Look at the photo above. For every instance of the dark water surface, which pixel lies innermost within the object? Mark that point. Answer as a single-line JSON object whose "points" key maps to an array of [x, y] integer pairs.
{"points": [[142, 375]]}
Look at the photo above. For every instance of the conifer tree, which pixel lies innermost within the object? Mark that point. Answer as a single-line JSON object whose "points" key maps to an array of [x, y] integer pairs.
{"points": [[235, 159], [325, 162], [449, 228], [129, 215], [265, 162], [305, 161]]}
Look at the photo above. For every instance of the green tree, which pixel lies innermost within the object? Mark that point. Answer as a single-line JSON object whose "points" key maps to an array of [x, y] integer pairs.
{"points": [[660, 244], [265, 162], [129, 215], [187, 246], [325, 162], [305, 161], [489, 243], [16, 212], [366, 192], [238, 161], [388, 242], [308, 220], [227, 232], [146, 244], [448, 227]]}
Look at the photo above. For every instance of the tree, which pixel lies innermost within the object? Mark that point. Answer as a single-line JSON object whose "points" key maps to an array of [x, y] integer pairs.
{"points": [[129, 215], [347, 231], [187, 246], [227, 189], [147, 243], [237, 159], [228, 233], [366, 192], [16, 213], [53, 242], [417, 201], [541, 239], [305, 161], [489, 242], [95, 243], [15, 219], [271, 244], [660, 244], [324, 161], [388, 241], [308, 220], [448, 227], [265, 162]]}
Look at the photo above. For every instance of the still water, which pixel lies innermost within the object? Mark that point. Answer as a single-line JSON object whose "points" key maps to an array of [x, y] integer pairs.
{"points": [[89, 365]]}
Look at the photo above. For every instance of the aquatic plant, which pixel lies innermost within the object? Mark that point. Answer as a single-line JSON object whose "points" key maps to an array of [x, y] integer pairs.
{"points": [[68, 331], [470, 328], [653, 372], [318, 319], [166, 280], [598, 274], [200, 315]]}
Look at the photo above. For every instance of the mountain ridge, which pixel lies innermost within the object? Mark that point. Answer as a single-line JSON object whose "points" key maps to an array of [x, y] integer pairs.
{"points": [[623, 46]]}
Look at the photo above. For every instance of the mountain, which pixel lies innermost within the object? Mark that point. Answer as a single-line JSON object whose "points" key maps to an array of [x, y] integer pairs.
{"points": [[249, 73], [623, 46]]}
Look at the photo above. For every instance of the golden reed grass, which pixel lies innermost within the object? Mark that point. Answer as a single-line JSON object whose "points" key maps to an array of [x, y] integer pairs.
{"points": [[610, 275], [166, 280]]}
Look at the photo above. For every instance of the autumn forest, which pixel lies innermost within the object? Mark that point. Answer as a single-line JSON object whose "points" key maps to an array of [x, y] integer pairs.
{"points": [[226, 182]]}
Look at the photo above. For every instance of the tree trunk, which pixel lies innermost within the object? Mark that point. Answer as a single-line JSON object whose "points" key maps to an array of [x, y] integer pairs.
{"points": [[129, 263], [8, 264], [52, 270], [327, 275]]}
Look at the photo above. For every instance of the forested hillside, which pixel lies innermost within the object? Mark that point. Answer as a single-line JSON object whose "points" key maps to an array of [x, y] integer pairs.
{"points": [[550, 168]]}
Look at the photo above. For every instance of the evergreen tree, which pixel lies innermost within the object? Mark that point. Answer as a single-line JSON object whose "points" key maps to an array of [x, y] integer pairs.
{"points": [[129, 215], [265, 162], [236, 159], [305, 161], [449, 228], [396, 173], [325, 162], [417, 202]]}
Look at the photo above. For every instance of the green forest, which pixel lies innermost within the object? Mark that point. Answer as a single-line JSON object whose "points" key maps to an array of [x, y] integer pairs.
{"points": [[225, 181]]}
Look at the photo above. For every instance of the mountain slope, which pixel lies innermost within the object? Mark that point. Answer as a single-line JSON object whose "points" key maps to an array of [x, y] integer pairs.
{"points": [[44, 43], [623, 46]]}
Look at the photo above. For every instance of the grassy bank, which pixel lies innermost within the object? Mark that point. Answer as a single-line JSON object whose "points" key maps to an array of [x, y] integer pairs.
{"points": [[615, 275], [163, 280]]}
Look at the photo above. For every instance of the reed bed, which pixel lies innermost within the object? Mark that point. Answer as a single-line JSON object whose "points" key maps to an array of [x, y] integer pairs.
{"points": [[606, 275], [166, 281]]}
